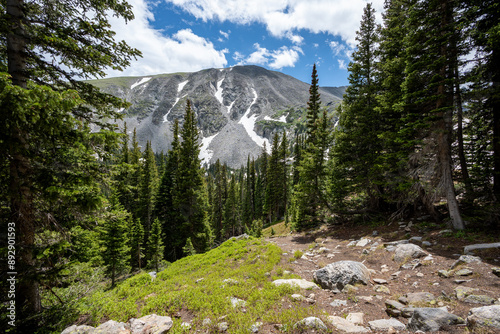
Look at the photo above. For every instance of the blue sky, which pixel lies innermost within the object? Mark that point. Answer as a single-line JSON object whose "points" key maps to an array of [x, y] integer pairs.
{"points": [[282, 35]]}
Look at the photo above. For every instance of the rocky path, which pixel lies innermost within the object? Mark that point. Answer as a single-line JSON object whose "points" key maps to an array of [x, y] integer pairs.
{"points": [[416, 283]]}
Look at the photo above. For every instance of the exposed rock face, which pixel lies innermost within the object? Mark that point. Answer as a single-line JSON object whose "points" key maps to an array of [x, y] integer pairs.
{"points": [[345, 325], [337, 275], [429, 319], [386, 324], [237, 108], [486, 316], [408, 251]]}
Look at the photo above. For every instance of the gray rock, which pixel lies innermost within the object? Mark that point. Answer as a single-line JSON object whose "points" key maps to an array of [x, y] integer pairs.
{"points": [[486, 316], [408, 251], [301, 283], [416, 239], [112, 327], [241, 236], [466, 259], [222, 326], [339, 302], [298, 297], [463, 291], [415, 298], [152, 274], [479, 299], [392, 304], [429, 319], [186, 326], [396, 243], [151, 324], [207, 322], [236, 302], [338, 274], [426, 244], [363, 242], [310, 323], [380, 281], [444, 273], [230, 281], [464, 272], [407, 312], [469, 250], [345, 325], [356, 318], [83, 329], [255, 327], [382, 289], [496, 271], [386, 324]]}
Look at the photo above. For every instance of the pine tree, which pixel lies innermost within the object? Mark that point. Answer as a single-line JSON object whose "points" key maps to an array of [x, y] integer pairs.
{"points": [[136, 240], [155, 245], [428, 92], [114, 241], [148, 186], [47, 113], [165, 210], [308, 200], [189, 194]]}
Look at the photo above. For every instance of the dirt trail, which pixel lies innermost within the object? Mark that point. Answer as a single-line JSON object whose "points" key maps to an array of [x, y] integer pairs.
{"points": [[328, 245]]}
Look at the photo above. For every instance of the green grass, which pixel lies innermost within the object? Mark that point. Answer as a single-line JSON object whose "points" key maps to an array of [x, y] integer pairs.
{"points": [[175, 289]]}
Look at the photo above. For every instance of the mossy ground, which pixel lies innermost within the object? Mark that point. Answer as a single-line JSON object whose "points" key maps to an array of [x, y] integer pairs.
{"points": [[193, 289]]}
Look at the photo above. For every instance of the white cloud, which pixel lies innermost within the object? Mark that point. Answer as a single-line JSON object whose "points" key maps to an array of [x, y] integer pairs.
{"points": [[224, 34], [342, 64], [182, 51], [295, 39], [339, 17], [276, 59]]}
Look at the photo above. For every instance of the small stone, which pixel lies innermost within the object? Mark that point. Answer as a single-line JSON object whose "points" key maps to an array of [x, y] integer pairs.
{"points": [[380, 281], [363, 242], [222, 326], [444, 273], [385, 324], [348, 288], [466, 259], [419, 297], [199, 280], [420, 275], [396, 274], [460, 281], [463, 291], [365, 251], [480, 299], [382, 289], [345, 325], [298, 297], [186, 326], [356, 318], [310, 323], [416, 239], [426, 244], [374, 233], [464, 272], [255, 327], [338, 302], [207, 322], [496, 271]]}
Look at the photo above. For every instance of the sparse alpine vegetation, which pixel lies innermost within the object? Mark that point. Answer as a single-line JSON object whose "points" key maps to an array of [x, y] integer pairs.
{"points": [[202, 286]]}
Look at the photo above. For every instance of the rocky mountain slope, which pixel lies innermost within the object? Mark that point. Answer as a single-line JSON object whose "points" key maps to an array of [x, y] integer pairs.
{"points": [[238, 108]]}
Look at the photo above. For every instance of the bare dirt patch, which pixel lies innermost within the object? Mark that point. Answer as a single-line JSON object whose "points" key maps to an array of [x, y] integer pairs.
{"points": [[330, 244]]}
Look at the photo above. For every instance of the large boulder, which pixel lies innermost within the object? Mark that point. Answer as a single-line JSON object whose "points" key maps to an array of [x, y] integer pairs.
{"points": [[310, 323], [337, 275], [408, 251], [486, 316], [82, 329], [429, 319], [112, 327]]}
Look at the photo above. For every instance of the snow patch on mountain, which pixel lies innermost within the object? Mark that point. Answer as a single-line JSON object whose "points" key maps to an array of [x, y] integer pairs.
{"points": [[140, 82], [181, 86], [248, 123], [230, 107], [168, 112], [282, 119], [218, 92], [206, 154]]}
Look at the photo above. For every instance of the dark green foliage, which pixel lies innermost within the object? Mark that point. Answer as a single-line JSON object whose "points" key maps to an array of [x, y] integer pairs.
{"points": [[136, 242], [155, 245], [114, 225]]}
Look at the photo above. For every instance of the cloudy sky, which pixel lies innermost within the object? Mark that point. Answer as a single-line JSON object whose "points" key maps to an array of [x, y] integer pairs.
{"points": [[282, 35]]}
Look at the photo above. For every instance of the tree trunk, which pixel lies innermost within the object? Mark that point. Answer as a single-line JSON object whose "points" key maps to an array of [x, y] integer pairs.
{"points": [[21, 198], [495, 104], [444, 126]]}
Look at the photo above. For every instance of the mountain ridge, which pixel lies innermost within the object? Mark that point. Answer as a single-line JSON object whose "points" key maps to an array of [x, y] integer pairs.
{"points": [[238, 108]]}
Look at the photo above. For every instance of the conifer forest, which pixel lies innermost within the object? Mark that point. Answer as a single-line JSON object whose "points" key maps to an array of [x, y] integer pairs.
{"points": [[417, 133]]}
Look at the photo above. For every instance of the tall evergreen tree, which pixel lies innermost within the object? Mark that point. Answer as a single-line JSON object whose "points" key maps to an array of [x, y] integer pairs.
{"points": [[136, 242], [357, 143], [308, 200], [148, 188], [155, 245], [115, 242], [189, 188], [45, 127]]}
